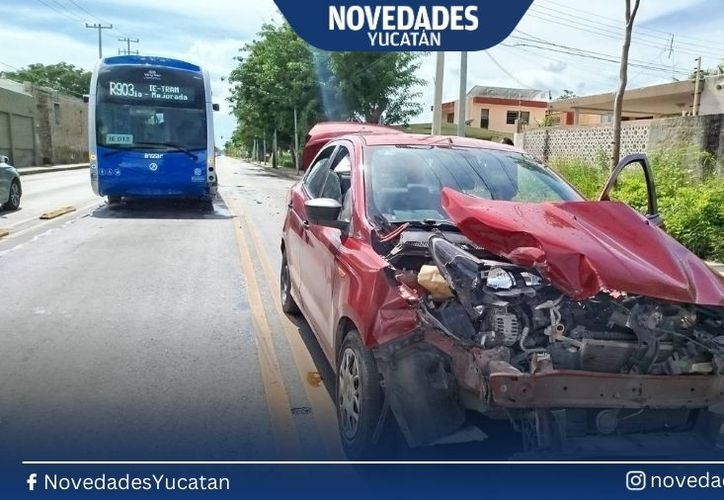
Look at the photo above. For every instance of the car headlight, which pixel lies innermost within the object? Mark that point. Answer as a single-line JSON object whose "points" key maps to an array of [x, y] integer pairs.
{"points": [[499, 279]]}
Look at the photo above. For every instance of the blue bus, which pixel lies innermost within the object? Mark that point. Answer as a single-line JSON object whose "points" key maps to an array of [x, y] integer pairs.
{"points": [[151, 129]]}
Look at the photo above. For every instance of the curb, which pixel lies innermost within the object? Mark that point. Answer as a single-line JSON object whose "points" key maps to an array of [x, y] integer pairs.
{"points": [[44, 170], [57, 213], [276, 171]]}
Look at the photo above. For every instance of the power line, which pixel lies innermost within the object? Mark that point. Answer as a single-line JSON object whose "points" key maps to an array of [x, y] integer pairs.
{"points": [[615, 23]]}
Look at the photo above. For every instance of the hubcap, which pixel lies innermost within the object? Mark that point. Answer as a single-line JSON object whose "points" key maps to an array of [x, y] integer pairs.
{"points": [[14, 195], [349, 393]]}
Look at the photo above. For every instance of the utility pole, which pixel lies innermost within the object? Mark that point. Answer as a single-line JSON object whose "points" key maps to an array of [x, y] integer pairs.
{"points": [[697, 91], [463, 96], [128, 50], [436, 128], [100, 28]]}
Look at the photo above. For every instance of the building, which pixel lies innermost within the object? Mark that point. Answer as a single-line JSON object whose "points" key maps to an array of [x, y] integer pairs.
{"points": [[41, 126], [498, 108], [655, 101], [17, 123]]}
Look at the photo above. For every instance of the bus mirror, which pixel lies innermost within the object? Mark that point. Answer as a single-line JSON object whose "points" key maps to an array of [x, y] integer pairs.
{"points": [[86, 98], [215, 106]]}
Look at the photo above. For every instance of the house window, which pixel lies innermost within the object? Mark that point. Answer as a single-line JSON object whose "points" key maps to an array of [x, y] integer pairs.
{"points": [[56, 113], [511, 116], [484, 118], [451, 118]]}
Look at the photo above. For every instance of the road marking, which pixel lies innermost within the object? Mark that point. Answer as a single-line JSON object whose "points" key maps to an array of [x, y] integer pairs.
{"points": [[15, 234], [283, 428], [57, 213], [323, 409], [4, 232]]}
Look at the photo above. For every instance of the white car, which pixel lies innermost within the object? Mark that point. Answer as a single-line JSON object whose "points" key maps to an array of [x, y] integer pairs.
{"points": [[10, 188]]}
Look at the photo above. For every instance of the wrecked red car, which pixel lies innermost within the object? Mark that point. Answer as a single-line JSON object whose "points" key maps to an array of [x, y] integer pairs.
{"points": [[449, 278]]}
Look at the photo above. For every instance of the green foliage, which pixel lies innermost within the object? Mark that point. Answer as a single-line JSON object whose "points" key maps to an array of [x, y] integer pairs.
{"points": [[377, 87], [690, 194], [275, 76], [63, 77], [278, 73]]}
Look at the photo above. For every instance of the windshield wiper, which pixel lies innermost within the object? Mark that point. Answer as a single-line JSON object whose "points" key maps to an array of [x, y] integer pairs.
{"points": [[170, 145]]}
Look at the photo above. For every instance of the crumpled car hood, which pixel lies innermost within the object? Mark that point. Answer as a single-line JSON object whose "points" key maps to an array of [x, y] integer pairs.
{"points": [[586, 247]]}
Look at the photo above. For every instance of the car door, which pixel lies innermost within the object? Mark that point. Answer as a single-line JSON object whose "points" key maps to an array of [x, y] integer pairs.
{"points": [[652, 209], [6, 177], [296, 232], [321, 246]]}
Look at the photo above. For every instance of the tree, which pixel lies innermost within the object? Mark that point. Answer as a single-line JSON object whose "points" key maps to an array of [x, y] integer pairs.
{"points": [[623, 80], [567, 94], [276, 74], [377, 87], [62, 76]]}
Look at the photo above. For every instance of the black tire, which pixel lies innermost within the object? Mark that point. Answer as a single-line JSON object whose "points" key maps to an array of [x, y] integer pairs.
{"points": [[358, 440], [289, 306], [114, 200], [13, 202]]}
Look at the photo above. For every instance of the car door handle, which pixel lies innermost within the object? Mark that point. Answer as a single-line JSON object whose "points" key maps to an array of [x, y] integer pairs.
{"points": [[305, 224], [290, 204]]}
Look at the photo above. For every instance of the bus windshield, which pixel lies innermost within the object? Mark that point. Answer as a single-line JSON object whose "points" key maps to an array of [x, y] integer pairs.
{"points": [[144, 108]]}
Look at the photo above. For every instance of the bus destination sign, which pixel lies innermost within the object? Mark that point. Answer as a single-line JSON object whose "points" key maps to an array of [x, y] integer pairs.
{"points": [[152, 91]]}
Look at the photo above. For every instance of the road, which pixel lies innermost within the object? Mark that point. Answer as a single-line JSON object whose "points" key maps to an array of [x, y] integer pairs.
{"points": [[48, 191], [153, 331]]}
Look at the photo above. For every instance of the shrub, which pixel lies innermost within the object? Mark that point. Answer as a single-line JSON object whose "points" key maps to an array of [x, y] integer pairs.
{"points": [[690, 194]]}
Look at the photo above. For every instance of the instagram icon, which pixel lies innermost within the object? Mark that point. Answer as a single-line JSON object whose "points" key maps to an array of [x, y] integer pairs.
{"points": [[635, 480]]}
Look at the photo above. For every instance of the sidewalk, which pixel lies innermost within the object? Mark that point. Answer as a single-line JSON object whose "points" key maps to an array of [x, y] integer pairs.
{"points": [[56, 168], [289, 173], [717, 267]]}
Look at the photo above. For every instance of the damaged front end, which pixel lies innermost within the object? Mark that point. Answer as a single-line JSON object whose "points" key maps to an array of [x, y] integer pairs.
{"points": [[498, 340]]}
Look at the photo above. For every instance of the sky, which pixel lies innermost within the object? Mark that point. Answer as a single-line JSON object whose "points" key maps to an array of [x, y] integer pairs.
{"points": [[668, 36]]}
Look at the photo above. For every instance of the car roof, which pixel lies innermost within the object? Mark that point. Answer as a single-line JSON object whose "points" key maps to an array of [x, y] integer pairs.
{"points": [[404, 139]]}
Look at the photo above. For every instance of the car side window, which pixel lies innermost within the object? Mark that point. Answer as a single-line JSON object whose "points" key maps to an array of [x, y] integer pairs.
{"points": [[316, 177], [337, 181]]}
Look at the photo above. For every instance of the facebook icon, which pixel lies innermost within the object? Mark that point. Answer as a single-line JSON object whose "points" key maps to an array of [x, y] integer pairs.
{"points": [[32, 480]]}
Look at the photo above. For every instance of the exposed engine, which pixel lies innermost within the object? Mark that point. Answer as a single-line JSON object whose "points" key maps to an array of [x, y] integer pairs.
{"points": [[496, 304]]}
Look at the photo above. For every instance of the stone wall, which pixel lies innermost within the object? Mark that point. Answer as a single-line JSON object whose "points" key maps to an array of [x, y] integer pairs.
{"points": [[62, 127], [591, 141]]}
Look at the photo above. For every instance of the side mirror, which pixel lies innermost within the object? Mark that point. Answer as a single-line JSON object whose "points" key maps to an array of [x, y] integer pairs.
{"points": [[325, 212], [215, 106], [86, 98], [4, 159]]}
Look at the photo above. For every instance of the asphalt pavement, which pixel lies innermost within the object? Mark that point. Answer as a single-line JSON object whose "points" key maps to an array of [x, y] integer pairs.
{"points": [[152, 331]]}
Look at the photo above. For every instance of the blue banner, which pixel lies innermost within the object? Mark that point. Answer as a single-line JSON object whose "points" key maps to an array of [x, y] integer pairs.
{"points": [[381, 481], [408, 25]]}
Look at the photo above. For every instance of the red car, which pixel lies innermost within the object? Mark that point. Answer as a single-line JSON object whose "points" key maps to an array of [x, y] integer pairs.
{"points": [[448, 278]]}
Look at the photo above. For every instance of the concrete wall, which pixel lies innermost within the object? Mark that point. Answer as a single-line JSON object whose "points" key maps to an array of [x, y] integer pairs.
{"points": [[17, 127], [62, 127], [587, 142]]}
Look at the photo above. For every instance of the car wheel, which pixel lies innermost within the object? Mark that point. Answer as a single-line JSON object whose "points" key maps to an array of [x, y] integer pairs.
{"points": [[114, 200], [13, 202], [289, 306], [359, 400]]}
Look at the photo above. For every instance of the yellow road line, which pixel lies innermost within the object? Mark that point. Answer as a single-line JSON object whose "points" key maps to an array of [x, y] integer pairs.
{"points": [[283, 429], [4, 232], [322, 406], [57, 213]]}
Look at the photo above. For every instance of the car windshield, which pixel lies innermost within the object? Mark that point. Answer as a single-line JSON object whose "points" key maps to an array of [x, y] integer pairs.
{"points": [[164, 113], [404, 183]]}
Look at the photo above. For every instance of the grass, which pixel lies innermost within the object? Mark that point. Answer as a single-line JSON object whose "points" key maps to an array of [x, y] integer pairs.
{"points": [[452, 129]]}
